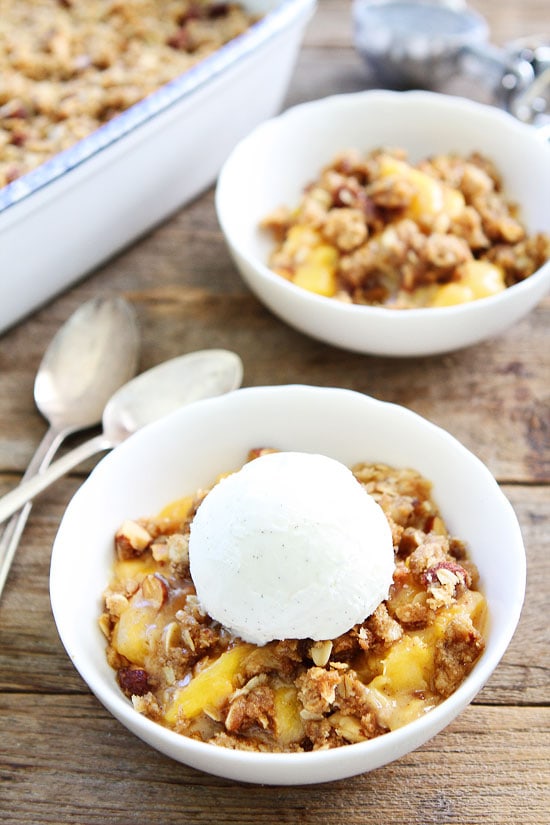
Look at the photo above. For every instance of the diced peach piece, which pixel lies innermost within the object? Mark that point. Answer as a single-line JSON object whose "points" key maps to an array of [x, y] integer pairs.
{"points": [[431, 197], [135, 569], [452, 294], [318, 272], [315, 279], [476, 605], [408, 665], [177, 511], [478, 279], [289, 727], [130, 633], [299, 237], [453, 201], [483, 277], [211, 686], [348, 727]]}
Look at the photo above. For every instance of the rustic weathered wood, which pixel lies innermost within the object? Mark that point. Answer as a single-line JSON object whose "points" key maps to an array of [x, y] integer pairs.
{"points": [[63, 759], [488, 767]]}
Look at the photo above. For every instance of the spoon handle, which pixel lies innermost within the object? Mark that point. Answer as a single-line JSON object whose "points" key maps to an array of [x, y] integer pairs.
{"points": [[27, 490], [14, 529]]}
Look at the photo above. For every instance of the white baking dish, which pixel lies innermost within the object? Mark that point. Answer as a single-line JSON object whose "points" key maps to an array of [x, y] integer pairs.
{"points": [[64, 218]]}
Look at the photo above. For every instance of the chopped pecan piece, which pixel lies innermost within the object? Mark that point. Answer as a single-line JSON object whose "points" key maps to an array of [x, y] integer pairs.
{"points": [[447, 571], [131, 539]]}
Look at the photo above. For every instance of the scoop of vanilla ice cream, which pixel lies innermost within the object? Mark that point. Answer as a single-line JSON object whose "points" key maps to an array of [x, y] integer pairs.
{"points": [[291, 546]]}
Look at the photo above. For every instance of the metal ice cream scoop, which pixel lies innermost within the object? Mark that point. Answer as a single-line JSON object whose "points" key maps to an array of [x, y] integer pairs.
{"points": [[426, 44], [532, 104]]}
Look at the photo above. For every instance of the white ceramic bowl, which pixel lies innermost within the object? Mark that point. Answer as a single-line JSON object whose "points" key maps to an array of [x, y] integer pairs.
{"points": [[74, 211], [271, 166], [187, 450]]}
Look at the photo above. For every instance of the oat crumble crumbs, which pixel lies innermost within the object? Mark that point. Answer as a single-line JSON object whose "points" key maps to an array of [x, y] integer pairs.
{"points": [[377, 229], [68, 67], [187, 672]]}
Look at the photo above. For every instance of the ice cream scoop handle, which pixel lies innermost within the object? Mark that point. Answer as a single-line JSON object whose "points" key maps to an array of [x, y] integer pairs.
{"points": [[27, 490]]}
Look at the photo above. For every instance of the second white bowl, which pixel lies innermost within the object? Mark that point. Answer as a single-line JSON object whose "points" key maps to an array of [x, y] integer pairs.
{"points": [[272, 165]]}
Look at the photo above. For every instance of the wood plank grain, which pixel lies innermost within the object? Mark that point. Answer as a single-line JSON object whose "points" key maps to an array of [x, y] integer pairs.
{"points": [[74, 763], [510, 20]]}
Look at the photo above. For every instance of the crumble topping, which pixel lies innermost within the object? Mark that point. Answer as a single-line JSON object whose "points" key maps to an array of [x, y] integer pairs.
{"points": [[68, 67], [377, 229], [187, 672]]}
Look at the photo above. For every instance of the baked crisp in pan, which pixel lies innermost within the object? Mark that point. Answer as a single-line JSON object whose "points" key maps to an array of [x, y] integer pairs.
{"points": [[189, 673], [68, 67]]}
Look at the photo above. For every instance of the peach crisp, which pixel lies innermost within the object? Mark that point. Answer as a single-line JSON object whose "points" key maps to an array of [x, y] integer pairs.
{"points": [[189, 673], [68, 68], [378, 229]]}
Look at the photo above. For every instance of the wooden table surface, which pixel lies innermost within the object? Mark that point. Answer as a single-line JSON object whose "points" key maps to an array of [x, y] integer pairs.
{"points": [[63, 758]]}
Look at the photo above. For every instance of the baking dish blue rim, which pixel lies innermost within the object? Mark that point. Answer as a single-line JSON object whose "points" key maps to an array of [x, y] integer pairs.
{"points": [[275, 20]]}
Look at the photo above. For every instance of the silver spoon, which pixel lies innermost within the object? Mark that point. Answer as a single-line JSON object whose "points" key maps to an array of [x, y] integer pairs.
{"points": [[141, 401], [91, 356]]}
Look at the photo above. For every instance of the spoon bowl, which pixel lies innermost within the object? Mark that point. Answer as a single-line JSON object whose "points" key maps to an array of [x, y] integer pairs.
{"points": [[93, 354], [79, 372], [170, 385]]}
